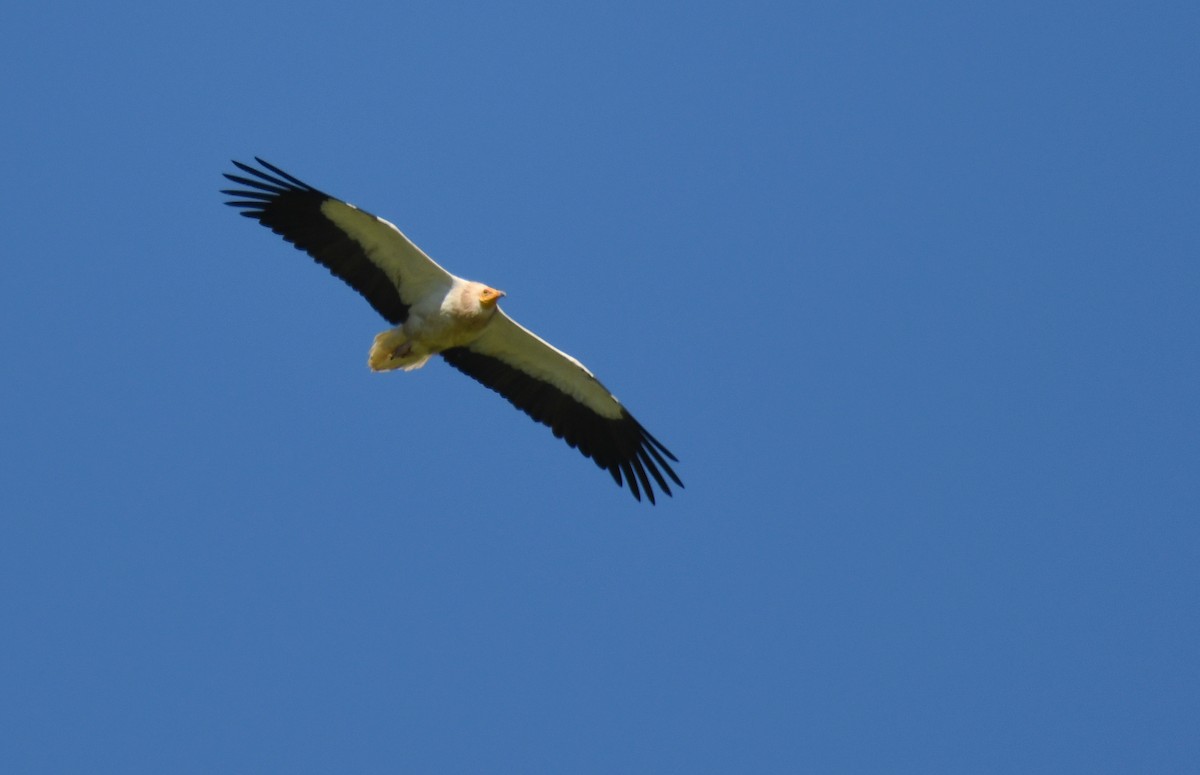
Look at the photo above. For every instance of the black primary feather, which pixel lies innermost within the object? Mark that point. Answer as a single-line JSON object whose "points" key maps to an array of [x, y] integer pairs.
{"points": [[292, 209]]}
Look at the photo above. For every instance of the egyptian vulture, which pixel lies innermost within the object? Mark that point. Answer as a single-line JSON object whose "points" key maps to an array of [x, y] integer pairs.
{"points": [[435, 313]]}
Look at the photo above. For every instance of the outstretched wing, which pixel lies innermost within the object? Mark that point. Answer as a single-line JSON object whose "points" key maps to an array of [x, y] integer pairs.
{"points": [[371, 255], [558, 391]]}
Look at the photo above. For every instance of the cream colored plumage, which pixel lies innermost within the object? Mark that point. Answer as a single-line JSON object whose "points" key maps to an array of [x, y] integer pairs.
{"points": [[435, 313]]}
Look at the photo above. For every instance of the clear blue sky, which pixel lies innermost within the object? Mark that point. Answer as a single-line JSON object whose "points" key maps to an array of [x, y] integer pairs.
{"points": [[910, 289]]}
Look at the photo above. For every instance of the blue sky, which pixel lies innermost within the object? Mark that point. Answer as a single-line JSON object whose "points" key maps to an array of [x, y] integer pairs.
{"points": [[909, 289]]}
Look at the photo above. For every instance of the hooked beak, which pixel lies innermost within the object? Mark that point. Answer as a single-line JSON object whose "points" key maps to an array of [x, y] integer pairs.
{"points": [[490, 296]]}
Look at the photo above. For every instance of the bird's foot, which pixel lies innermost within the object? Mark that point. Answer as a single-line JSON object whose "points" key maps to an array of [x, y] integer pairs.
{"points": [[390, 350]]}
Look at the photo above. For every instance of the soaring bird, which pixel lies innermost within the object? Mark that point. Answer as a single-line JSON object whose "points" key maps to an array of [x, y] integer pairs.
{"points": [[433, 312]]}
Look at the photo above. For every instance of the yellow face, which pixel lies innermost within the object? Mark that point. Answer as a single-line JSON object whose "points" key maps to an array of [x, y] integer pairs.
{"points": [[489, 296]]}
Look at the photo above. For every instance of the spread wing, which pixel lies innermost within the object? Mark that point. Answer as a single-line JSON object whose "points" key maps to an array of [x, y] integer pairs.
{"points": [[558, 391], [371, 255]]}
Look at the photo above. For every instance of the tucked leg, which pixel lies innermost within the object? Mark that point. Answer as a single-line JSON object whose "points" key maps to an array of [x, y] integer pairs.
{"points": [[389, 351]]}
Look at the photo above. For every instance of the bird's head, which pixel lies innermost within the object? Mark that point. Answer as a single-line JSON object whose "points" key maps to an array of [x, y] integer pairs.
{"points": [[489, 296]]}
